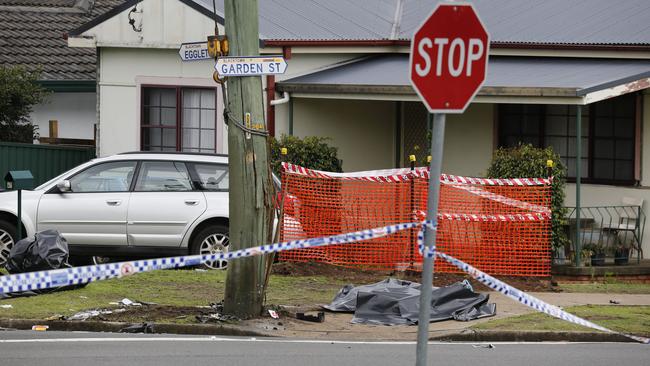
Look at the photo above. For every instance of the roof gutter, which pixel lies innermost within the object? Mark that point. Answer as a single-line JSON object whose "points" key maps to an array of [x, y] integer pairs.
{"points": [[408, 90], [406, 42]]}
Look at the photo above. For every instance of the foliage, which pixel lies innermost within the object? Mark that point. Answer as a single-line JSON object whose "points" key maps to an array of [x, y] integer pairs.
{"points": [[595, 248], [311, 152], [19, 92], [527, 161]]}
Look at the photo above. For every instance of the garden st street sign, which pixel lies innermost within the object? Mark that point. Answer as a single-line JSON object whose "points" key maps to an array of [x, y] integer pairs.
{"points": [[449, 55], [250, 66]]}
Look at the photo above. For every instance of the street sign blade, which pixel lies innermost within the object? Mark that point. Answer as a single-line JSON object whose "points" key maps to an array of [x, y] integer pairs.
{"points": [[194, 51], [250, 66]]}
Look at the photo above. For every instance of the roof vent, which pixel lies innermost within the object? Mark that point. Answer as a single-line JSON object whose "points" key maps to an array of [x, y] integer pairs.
{"points": [[84, 5]]}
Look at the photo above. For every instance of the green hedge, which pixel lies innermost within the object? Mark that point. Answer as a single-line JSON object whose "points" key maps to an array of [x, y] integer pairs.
{"points": [[311, 152], [526, 161]]}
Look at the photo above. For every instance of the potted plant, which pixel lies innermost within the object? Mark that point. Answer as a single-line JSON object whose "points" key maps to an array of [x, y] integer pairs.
{"points": [[597, 253], [621, 253]]}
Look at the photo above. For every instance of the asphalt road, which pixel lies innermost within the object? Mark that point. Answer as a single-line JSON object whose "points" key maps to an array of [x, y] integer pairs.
{"points": [[72, 349]]}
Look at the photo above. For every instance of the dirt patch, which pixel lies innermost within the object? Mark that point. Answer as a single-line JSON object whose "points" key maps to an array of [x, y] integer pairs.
{"points": [[362, 276]]}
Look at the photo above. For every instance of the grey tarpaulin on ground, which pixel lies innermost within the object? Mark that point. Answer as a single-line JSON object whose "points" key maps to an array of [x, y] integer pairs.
{"points": [[395, 302]]}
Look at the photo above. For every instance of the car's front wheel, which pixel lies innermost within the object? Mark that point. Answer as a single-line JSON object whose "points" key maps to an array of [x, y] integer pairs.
{"points": [[7, 241], [212, 240]]}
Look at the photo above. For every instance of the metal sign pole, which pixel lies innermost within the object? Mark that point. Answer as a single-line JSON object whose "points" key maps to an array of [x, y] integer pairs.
{"points": [[437, 141]]}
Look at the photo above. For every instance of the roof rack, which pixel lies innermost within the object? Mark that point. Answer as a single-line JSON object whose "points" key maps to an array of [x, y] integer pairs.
{"points": [[171, 153]]}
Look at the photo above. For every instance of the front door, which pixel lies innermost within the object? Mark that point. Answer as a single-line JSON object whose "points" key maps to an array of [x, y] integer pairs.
{"points": [[163, 205], [94, 212]]}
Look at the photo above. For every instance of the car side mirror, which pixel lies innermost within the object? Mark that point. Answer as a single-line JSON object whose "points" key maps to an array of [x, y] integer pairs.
{"points": [[64, 186]]}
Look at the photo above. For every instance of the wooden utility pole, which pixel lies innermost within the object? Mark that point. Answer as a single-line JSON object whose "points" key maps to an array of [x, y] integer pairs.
{"points": [[250, 176]]}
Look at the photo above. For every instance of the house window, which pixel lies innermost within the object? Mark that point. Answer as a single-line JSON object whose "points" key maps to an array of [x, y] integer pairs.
{"points": [[179, 119], [608, 135]]}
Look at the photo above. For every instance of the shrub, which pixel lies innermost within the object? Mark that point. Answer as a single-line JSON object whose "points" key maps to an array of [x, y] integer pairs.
{"points": [[19, 92], [526, 161], [311, 152]]}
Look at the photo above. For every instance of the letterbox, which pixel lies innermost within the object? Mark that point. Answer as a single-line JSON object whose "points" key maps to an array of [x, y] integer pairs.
{"points": [[19, 179]]}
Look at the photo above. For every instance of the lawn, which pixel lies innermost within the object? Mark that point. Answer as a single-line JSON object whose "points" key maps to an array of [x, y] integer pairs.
{"points": [[181, 288], [628, 319]]}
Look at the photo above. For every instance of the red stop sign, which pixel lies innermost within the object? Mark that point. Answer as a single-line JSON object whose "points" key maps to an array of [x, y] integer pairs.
{"points": [[449, 54]]}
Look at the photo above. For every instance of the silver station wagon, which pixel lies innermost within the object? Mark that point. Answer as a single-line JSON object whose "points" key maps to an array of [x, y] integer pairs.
{"points": [[140, 204]]}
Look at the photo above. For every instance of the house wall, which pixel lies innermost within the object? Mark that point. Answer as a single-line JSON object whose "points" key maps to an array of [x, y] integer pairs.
{"points": [[163, 24], [122, 73], [363, 131], [468, 141], [124, 70], [74, 111]]}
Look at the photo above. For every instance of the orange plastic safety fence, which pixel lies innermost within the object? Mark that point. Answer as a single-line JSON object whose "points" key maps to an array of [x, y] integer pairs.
{"points": [[500, 229]]}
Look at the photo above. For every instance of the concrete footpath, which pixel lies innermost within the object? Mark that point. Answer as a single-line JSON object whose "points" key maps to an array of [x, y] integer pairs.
{"points": [[337, 326]]}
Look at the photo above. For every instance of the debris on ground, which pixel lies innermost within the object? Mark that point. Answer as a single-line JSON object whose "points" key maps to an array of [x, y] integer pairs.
{"points": [[127, 302], [615, 302], [318, 318], [216, 317], [56, 317], [139, 328], [85, 315], [274, 314], [6, 306], [40, 328], [215, 314]]}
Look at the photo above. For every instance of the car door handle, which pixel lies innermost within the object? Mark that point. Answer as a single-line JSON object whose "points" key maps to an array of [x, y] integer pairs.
{"points": [[113, 202], [191, 202]]}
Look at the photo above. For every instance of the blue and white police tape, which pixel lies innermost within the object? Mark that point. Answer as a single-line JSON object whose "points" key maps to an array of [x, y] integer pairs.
{"points": [[79, 275], [512, 292]]}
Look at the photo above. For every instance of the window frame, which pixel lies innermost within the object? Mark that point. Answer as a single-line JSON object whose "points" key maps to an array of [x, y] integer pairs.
{"points": [[193, 185], [179, 114], [136, 170], [196, 178], [591, 121]]}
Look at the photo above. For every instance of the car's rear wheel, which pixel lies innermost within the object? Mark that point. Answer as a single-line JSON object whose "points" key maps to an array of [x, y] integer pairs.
{"points": [[100, 260], [213, 239], [7, 241]]}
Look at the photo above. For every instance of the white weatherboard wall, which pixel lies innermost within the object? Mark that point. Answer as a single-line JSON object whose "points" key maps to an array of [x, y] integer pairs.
{"points": [[123, 71], [163, 23], [76, 113]]}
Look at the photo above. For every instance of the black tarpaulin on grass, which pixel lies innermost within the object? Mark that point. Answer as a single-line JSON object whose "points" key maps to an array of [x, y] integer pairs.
{"points": [[45, 250], [397, 302]]}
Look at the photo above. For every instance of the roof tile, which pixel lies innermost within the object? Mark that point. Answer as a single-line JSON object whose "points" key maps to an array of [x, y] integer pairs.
{"points": [[36, 39]]}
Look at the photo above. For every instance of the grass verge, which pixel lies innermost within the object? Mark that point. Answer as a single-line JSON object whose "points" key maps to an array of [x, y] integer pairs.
{"points": [[628, 319], [178, 288], [607, 288]]}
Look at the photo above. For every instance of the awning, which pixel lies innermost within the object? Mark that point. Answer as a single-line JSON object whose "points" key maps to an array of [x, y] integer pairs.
{"points": [[546, 80]]}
